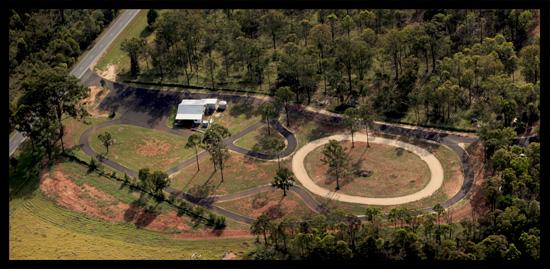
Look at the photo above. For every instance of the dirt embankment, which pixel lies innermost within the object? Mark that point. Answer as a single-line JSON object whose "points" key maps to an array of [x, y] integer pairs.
{"points": [[473, 205], [95, 203]]}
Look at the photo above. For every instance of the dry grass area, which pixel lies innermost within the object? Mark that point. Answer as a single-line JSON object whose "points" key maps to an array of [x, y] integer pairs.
{"points": [[271, 203], [396, 172], [137, 147]]}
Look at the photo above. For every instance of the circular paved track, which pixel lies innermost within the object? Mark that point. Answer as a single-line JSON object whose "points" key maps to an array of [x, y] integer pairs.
{"points": [[149, 108], [433, 164]]}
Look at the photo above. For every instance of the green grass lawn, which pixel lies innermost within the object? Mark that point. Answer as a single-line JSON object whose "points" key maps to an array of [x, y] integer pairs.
{"points": [[258, 140], [137, 147], [237, 116]]}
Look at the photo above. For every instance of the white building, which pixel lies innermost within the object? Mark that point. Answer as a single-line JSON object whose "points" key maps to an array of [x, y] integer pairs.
{"points": [[193, 110], [211, 104]]}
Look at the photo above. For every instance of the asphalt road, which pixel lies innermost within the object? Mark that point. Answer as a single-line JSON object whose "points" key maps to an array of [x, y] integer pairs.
{"points": [[149, 108], [85, 64], [104, 43]]}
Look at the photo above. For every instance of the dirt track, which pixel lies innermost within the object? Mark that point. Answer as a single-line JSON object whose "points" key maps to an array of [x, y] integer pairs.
{"points": [[433, 163]]}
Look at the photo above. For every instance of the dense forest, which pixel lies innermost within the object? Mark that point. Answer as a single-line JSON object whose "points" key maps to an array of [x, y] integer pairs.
{"points": [[430, 67], [462, 69], [510, 231], [42, 39], [448, 68]]}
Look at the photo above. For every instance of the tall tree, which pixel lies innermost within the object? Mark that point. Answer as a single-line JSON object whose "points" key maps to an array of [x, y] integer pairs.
{"points": [[320, 37], [52, 94], [283, 179], [343, 51], [351, 121], [394, 46], [283, 97], [152, 16], [273, 21], [336, 158], [277, 146], [153, 182], [439, 209], [348, 24], [212, 141], [194, 141], [135, 47], [106, 139], [366, 114], [261, 226], [530, 63], [268, 112]]}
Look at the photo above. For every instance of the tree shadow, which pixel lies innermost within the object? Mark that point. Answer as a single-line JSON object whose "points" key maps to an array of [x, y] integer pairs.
{"points": [[238, 109], [206, 190], [191, 179], [140, 213]]}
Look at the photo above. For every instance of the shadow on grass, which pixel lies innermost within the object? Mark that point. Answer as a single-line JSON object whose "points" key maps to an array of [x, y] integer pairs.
{"points": [[140, 213], [238, 109]]}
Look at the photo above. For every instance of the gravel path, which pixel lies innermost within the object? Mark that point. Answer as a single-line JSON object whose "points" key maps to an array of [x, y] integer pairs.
{"points": [[433, 163]]}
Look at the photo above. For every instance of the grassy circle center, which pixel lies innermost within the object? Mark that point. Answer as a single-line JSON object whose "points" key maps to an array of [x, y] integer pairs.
{"points": [[378, 171]]}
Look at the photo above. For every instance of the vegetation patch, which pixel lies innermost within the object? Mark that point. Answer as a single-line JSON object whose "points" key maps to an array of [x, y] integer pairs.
{"points": [[259, 140], [137, 147], [237, 116], [41, 230]]}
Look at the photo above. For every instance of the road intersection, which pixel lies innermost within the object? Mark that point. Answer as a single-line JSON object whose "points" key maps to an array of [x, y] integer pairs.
{"points": [[150, 108]]}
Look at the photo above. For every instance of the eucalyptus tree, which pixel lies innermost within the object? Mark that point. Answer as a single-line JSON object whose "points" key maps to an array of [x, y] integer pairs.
{"points": [[366, 114], [268, 112], [283, 97], [284, 179], [195, 141], [51, 93], [106, 139], [351, 121], [261, 226], [212, 141], [273, 21], [335, 156]]}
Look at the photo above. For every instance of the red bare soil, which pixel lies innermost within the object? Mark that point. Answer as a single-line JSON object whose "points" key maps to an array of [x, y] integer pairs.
{"points": [[476, 206], [85, 200]]}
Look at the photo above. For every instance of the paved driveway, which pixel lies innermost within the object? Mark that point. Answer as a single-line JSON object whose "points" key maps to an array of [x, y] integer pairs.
{"points": [[150, 108]]}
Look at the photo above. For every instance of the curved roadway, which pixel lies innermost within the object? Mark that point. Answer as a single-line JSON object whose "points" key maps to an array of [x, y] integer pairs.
{"points": [[150, 108], [436, 171]]}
